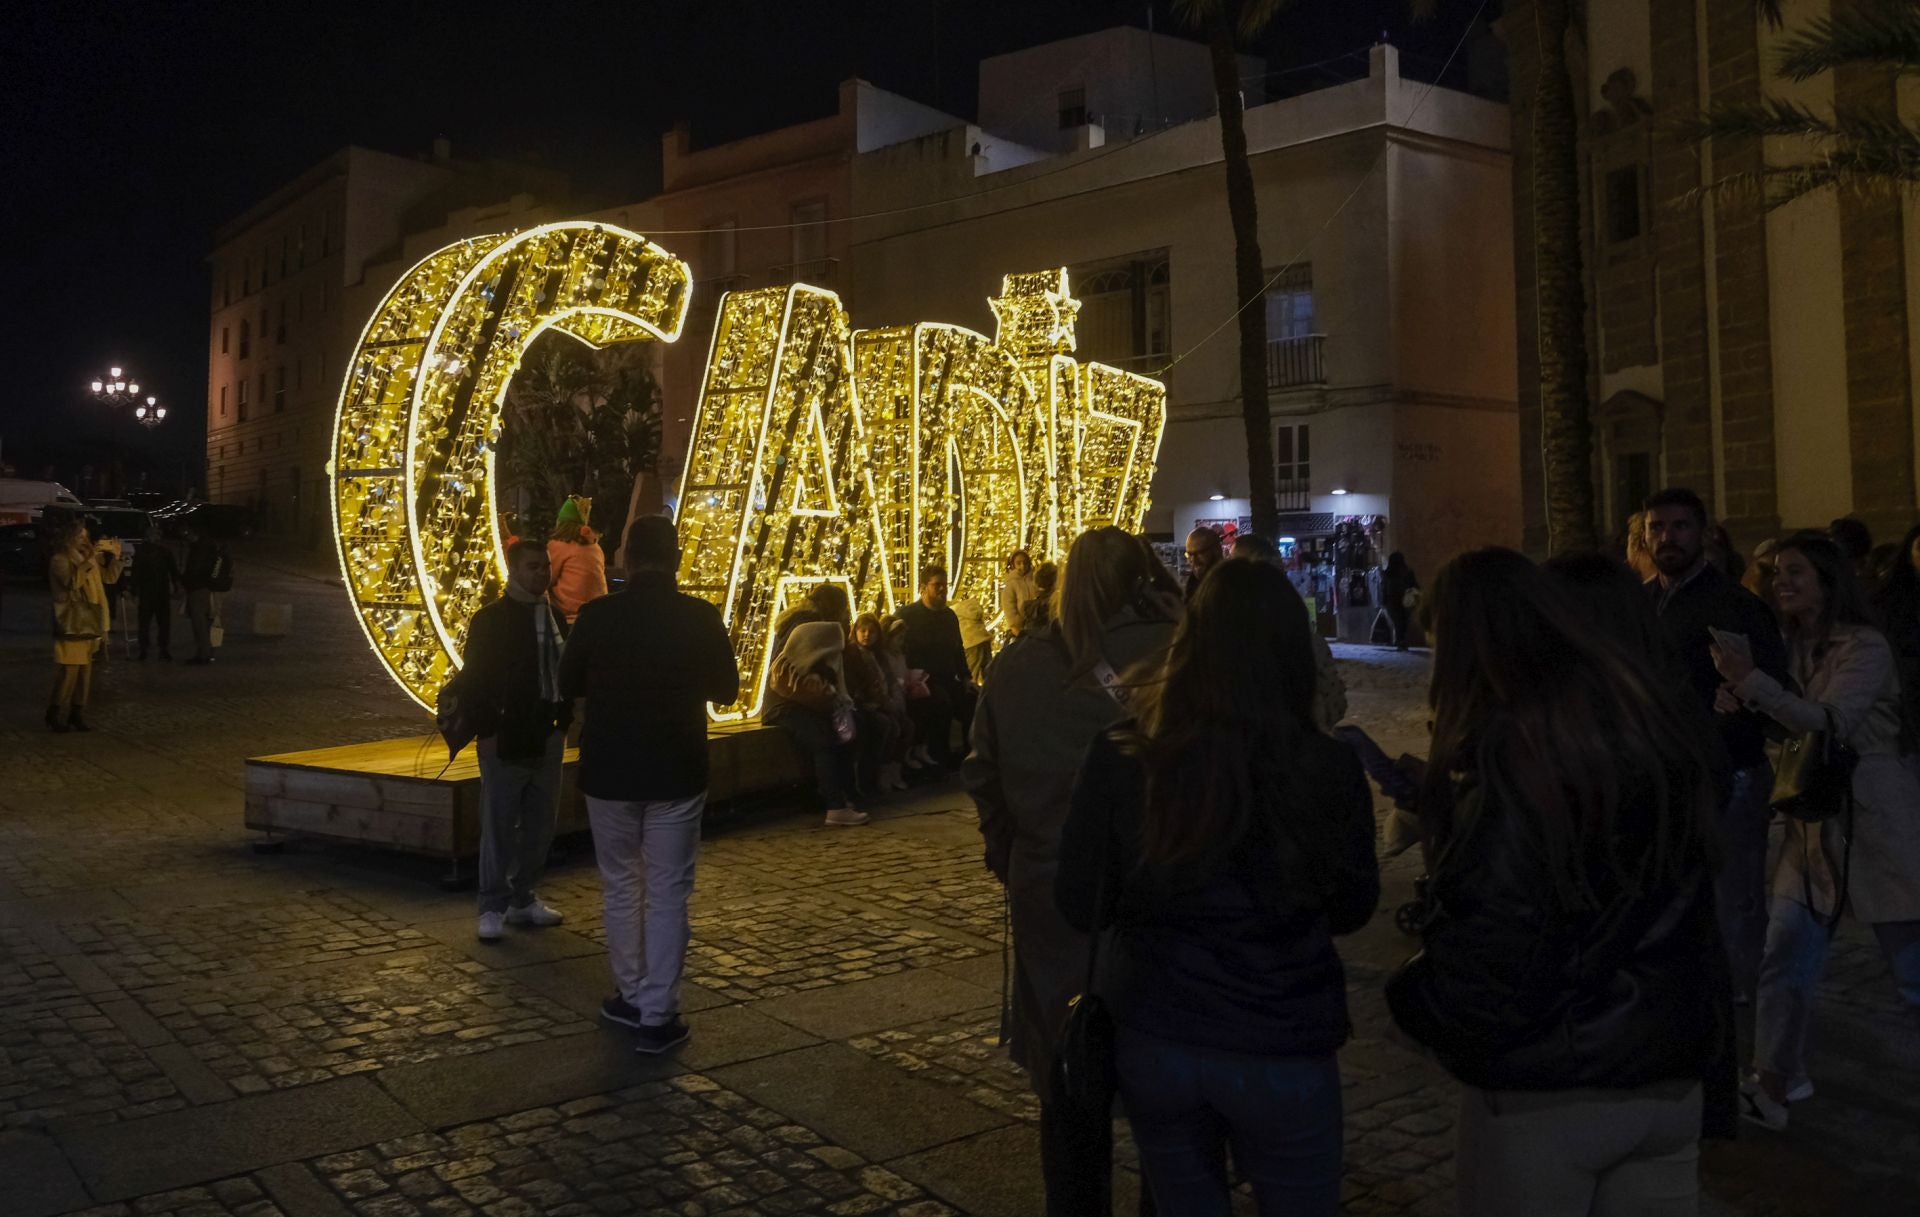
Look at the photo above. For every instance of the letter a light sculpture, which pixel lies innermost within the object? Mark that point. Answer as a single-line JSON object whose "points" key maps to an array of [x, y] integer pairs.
{"points": [[819, 453]]}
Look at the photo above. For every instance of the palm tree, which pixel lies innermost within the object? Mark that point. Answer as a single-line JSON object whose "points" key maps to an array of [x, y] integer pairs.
{"points": [[1222, 20], [1560, 296], [1870, 150]]}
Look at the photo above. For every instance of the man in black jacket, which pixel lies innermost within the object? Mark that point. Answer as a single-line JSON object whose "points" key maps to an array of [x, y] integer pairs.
{"points": [[933, 645], [509, 694], [1693, 598], [648, 659], [156, 580]]}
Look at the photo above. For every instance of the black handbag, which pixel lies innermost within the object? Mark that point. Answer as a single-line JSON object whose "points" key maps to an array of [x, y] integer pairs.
{"points": [[1076, 1133], [1814, 779]]}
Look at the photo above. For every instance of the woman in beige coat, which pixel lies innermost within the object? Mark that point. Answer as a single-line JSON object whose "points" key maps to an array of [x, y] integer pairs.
{"points": [[82, 621], [1846, 677]]}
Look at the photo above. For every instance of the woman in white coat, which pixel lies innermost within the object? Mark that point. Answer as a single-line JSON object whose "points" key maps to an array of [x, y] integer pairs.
{"points": [[1847, 682]]}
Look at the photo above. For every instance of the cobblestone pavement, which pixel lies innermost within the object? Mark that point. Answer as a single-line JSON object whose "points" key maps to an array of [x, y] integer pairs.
{"points": [[187, 1027]]}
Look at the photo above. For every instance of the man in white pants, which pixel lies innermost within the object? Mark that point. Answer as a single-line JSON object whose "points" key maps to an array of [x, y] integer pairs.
{"points": [[647, 659]]}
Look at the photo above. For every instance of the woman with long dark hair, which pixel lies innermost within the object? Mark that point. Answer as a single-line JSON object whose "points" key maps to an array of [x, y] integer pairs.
{"points": [[1867, 860], [1053, 689], [1570, 972], [1399, 594], [1227, 842]]}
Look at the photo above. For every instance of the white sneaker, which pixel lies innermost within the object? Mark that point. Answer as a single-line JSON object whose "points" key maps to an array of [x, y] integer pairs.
{"points": [[539, 913], [1758, 1107], [493, 927], [845, 817]]}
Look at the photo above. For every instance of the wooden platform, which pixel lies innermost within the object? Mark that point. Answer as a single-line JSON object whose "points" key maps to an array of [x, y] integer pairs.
{"points": [[402, 794]]}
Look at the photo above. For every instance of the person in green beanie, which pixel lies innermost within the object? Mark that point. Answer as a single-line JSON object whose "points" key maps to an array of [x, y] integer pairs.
{"points": [[579, 564]]}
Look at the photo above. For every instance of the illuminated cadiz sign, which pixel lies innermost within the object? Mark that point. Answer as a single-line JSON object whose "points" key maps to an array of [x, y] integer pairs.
{"points": [[819, 453]]}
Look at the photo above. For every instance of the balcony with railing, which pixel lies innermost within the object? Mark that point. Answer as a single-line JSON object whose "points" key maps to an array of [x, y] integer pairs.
{"points": [[1294, 363], [1293, 494]]}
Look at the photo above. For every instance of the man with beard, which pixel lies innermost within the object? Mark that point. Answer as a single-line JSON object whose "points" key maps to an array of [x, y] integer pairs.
{"points": [[1693, 600]]}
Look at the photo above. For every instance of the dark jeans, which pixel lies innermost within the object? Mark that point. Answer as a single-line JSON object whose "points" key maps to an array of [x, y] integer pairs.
{"points": [[832, 760], [1402, 621], [949, 701], [1740, 889], [879, 734], [156, 611], [1281, 1115]]}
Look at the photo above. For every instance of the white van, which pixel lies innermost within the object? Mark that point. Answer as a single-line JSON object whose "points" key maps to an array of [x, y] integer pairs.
{"points": [[21, 500]]}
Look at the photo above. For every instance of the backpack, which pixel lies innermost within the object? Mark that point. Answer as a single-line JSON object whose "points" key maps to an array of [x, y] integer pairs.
{"points": [[220, 578]]}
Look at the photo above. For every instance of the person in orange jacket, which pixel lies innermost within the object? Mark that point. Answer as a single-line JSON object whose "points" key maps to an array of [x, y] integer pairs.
{"points": [[579, 564]]}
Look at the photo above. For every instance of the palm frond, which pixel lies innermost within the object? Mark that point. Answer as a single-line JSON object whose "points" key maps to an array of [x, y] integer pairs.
{"points": [[1769, 11], [1250, 18], [1874, 31], [1775, 116], [1871, 154], [1256, 15]]}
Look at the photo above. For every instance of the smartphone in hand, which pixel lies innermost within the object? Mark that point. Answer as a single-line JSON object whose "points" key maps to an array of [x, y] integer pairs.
{"points": [[1732, 643]]}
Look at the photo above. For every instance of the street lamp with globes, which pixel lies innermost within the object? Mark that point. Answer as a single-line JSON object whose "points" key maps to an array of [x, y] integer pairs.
{"points": [[115, 388]]}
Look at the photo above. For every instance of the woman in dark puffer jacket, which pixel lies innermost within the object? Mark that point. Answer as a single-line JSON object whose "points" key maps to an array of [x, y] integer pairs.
{"points": [[1572, 974], [1227, 842]]}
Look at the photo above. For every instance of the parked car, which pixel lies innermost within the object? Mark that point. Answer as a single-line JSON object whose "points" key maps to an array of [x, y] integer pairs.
{"points": [[126, 525], [23, 499], [23, 550]]}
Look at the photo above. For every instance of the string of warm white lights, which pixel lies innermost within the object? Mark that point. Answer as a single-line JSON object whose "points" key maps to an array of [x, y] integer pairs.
{"points": [[818, 453], [419, 418]]}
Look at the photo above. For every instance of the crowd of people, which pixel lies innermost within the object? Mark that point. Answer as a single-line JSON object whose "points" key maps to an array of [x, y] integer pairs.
{"points": [[1616, 859], [1601, 894], [89, 577]]}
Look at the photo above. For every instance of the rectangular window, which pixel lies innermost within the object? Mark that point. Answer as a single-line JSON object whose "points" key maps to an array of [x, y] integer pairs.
{"points": [[280, 331], [1623, 204], [283, 255], [223, 401], [300, 248], [1073, 108], [326, 233], [809, 234], [1632, 480], [1292, 454], [266, 260], [279, 389], [1290, 304], [246, 277], [241, 404], [223, 340], [246, 337], [1125, 314]]}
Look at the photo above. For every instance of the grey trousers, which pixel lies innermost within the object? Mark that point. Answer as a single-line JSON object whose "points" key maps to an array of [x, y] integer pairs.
{"points": [[1580, 1153], [517, 806]]}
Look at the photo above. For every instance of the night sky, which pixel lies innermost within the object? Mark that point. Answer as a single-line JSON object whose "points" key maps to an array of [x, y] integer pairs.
{"points": [[136, 129]]}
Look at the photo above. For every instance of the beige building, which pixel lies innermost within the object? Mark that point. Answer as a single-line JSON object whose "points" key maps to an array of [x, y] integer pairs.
{"points": [[289, 299], [1391, 366], [1767, 359], [1391, 357]]}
